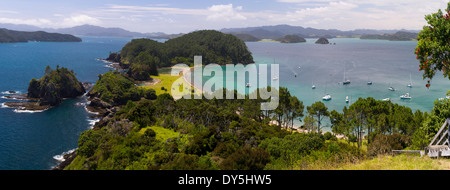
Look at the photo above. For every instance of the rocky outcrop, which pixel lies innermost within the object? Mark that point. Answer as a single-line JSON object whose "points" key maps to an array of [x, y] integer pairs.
{"points": [[322, 41], [54, 86]]}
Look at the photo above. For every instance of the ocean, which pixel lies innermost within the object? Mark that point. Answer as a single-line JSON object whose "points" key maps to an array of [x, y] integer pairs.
{"points": [[36, 141]]}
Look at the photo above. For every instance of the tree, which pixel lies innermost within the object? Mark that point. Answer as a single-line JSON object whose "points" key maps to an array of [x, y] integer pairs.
{"points": [[319, 111], [296, 109], [433, 46], [48, 70]]}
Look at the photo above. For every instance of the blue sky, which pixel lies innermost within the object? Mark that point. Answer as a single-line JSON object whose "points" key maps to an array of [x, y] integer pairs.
{"points": [[174, 16]]}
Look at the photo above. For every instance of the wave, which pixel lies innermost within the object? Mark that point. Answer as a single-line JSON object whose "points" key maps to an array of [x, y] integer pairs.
{"points": [[92, 122], [9, 98], [91, 112], [60, 157], [10, 92], [3, 105], [22, 110]]}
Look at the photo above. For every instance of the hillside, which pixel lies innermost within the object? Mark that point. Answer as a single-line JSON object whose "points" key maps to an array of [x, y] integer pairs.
{"points": [[12, 36], [398, 36], [278, 31], [144, 56]]}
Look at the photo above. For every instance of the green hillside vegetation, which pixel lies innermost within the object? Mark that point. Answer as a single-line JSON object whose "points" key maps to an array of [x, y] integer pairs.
{"points": [[398, 36], [54, 86], [11, 36], [144, 56], [116, 88], [291, 39], [235, 134]]}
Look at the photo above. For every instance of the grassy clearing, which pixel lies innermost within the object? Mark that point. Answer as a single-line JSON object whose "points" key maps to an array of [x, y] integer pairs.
{"points": [[166, 83], [399, 162], [162, 134]]}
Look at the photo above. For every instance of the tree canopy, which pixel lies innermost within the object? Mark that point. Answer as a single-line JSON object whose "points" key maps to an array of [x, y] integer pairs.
{"points": [[433, 47]]}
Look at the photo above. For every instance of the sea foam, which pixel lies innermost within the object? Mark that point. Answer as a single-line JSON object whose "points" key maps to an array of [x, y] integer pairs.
{"points": [[60, 157], [92, 122]]}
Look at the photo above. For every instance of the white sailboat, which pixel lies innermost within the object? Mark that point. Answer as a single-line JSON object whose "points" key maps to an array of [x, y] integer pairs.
{"points": [[410, 81], [346, 81]]}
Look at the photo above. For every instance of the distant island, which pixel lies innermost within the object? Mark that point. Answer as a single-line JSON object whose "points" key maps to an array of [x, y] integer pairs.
{"points": [[398, 36], [291, 39], [12, 36], [322, 41], [247, 37]]}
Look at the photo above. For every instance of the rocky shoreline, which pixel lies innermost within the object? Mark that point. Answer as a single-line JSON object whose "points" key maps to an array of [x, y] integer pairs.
{"points": [[29, 104], [101, 110]]}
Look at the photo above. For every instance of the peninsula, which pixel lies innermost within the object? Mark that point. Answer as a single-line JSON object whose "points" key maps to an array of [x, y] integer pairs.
{"points": [[12, 36]]}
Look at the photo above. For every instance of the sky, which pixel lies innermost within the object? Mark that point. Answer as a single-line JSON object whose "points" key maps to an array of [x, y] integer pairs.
{"points": [[181, 16]]}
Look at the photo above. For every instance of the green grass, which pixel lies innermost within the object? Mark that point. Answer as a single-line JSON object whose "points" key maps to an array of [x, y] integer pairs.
{"points": [[166, 81], [162, 134], [399, 162]]}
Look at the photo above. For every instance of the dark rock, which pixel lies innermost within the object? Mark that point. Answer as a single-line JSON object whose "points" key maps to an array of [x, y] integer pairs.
{"points": [[96, 102], [322, 41], [68, 158]]}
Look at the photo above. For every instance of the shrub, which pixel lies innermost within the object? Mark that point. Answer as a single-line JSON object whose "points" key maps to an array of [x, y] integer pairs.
{"points": [[246, 158], [384, 144]]}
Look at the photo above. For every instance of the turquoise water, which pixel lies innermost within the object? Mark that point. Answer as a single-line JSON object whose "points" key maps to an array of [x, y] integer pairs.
{"points": [[385, 63], [32, 140]]}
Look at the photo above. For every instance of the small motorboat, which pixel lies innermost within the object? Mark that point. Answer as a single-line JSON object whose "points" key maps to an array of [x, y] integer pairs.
{"points": [[369, 83], [391, 88], [386, 99], [406, 96], [248, 85], [313, 86], [346, 99]]}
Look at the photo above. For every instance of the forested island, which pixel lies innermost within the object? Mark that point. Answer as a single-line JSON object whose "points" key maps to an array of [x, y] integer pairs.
{"points": [[142, 57], [291, 39], [398, 36], [12, 36], [322, 41]]}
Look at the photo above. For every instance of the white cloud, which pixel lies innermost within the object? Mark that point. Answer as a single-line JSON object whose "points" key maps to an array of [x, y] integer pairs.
{"points": [[35, 22], [224, 13], [79, 20]]}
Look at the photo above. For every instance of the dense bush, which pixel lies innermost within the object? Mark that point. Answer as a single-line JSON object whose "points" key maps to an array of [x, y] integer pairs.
{"points": [[384, 144], [246, 158], [117, 89]]}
